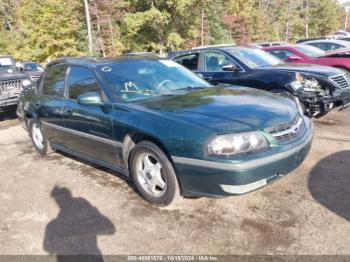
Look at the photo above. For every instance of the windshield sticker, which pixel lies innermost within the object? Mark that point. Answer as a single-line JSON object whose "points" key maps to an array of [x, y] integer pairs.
{"points": [[106, 69], [169, 63]]}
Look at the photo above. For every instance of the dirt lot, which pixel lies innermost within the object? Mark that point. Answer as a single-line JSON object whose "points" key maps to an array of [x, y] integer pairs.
{"points": [[307, 212]]}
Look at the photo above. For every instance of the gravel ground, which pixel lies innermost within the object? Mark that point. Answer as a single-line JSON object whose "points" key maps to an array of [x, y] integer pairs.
{"points": [[58, 204]]}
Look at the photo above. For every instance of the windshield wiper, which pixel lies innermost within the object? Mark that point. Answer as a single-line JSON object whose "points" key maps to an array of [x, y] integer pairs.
{"points": [[189, 88], [145, 92]]}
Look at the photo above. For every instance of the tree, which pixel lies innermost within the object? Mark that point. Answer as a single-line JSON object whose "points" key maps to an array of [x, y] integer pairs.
{"points": [[49, 29]]}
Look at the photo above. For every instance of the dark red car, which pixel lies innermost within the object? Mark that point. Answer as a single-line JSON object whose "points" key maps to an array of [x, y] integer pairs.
{"points": [[312, 55]]}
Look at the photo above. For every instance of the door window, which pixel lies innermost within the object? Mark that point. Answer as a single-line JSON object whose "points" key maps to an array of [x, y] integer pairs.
{"points": [[215, 61], [281, 54], [81, 81], [54, 81], [189, 61]]}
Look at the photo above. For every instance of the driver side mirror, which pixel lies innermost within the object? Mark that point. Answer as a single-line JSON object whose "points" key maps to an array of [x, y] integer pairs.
{"points": [[230, 68], [90, 99], [293, 58]]}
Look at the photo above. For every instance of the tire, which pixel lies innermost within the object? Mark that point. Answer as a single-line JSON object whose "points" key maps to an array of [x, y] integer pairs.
{"points": [[153, 174], [40, 142]]}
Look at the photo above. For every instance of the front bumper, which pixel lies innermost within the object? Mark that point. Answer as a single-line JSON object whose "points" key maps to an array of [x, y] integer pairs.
{"points": [[319, 105], [208, 178], [8, 104]]}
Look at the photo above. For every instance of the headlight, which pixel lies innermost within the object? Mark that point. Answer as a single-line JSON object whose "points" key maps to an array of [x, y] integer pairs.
{"points": [[308, 84], [26, 83], [233, 144]]}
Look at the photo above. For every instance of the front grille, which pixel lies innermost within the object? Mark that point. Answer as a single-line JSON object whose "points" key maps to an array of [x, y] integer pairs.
{"points": [[341, 81], [288, 131], [10, 88]]}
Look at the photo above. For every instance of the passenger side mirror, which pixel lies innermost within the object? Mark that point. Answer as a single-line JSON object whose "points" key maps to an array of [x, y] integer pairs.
{"points": [[293, 58], [230, 68], [90, 99], [20, 66]]}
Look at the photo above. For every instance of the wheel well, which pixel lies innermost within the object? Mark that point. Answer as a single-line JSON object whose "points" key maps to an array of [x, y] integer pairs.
{"points": [[134, 138]]}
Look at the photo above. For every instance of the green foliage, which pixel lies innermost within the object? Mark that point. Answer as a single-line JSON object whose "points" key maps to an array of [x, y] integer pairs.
{"points": [[45, 29]]}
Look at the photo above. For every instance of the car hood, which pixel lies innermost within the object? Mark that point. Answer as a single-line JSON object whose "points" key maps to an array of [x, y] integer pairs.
{"points": [[15, 75], [323, 71], [339, 53], [227, 109]]}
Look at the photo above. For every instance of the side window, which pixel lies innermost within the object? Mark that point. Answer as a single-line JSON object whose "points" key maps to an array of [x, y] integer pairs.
{"points": [[281, 54], [333, 46], [320, 45], [215, 61], [189, 61], [81, 81], [53, 81]]}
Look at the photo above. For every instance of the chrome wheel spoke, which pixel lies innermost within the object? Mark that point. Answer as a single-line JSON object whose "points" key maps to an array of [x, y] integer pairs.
{"points": [[38, 137], [149, 173], [148, 165]]}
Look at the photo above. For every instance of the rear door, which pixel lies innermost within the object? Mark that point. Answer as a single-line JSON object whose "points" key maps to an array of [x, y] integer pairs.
{"points": [[89, 128], [213, 69], [49, 105]]}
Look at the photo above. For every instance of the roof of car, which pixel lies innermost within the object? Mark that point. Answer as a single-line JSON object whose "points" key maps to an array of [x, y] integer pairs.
{"points": [[277, 47], [93, 61], [336, 41]]}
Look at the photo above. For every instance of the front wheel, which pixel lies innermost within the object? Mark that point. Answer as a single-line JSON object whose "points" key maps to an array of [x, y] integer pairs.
{"points": [[153, 174], [40, 142]]}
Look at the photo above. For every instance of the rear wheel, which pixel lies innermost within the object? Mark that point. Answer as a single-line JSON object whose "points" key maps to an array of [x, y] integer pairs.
{"points": [[40, 142], [153, 174]]}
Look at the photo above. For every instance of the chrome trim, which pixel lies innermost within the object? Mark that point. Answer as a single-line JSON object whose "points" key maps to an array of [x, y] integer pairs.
{"points": [[242, 189], [245, 165], [82, 134], [345, 78], [289, 130]]}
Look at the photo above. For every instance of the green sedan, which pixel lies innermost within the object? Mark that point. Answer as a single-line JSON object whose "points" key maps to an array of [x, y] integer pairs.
{"points": [[169, 130]]}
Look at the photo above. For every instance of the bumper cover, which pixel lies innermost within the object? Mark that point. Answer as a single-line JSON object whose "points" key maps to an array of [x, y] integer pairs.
{"points": [[339, 98], [8, 102], [208, 178]]}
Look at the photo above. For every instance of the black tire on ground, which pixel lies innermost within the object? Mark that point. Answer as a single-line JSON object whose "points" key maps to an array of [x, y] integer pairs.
{"points": [[172, 192], [45, 149]]}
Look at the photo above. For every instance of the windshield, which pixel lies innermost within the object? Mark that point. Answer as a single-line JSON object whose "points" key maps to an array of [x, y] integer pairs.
{"points": [[255, 58], [6, 63], [135, 80], [33, 67], [310, 50]]}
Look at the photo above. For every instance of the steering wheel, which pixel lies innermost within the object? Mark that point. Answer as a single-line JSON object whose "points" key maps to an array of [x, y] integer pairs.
{"points": [[162, 85]]}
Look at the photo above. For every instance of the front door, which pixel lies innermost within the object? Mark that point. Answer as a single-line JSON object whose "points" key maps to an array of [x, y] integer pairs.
{"points": [[89, 128], [213, 70]]}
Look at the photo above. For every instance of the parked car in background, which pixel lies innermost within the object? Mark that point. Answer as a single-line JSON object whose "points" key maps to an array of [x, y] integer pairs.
{"points": [[312, 55], [342, 33], [34, 70], [328, 44], [317, 88], [267, 44], [310, 39], [168, 129], [12, 82]]}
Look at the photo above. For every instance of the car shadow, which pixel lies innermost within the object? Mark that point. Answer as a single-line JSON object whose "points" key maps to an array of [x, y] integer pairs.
{"points": [[329, 183], [74, 231]]}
